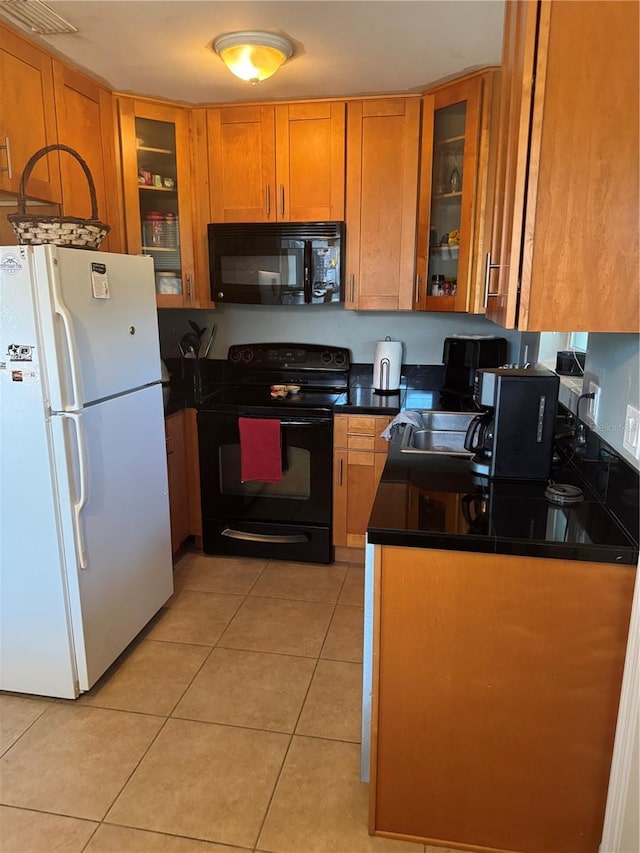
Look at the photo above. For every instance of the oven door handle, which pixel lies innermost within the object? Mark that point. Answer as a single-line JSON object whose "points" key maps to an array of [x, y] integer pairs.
{"points": [[291, 538], [302, 423]]}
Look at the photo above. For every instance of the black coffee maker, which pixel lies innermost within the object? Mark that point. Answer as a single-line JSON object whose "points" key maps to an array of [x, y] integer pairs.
{"points": [[463, 355], [513, 437]]}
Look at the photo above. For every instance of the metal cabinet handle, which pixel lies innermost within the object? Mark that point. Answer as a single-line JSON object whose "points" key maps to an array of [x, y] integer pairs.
{"points": [[487, 272], [352, 285], [417, 290], [189, 287], [268, 199], [8, 168], [340, 472], [281, 199]]}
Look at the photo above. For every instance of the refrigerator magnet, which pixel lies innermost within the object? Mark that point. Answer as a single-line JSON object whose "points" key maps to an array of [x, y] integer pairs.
{"points": [[99, 281]]}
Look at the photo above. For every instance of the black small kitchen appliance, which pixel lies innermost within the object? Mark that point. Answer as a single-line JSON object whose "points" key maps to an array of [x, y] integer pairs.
{"points": [[463, 355], [513, 436]]}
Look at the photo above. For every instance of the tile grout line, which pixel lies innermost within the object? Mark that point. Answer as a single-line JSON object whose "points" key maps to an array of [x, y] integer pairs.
{"points": [[293, 732], [169, 715], [162, 727]]}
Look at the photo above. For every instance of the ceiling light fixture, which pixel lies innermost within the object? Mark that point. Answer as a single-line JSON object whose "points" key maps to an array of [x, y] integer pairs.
{"points": [[253, 56]]}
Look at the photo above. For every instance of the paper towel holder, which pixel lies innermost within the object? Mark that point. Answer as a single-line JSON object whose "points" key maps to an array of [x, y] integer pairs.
{"points": [[387, 367]]}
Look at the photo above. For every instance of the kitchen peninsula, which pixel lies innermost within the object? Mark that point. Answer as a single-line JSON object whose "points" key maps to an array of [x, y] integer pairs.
{"points": [[495, 635]]}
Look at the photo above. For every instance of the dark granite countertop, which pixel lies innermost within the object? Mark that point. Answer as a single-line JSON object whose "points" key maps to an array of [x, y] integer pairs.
{"points": [[419, 389], [435, 501]]}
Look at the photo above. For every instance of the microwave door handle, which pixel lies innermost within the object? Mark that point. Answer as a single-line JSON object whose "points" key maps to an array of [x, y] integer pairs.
{"points": [[307, 270]]}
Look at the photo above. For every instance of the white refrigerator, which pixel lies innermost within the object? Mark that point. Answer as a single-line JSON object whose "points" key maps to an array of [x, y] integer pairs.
{"points": [[85, 546]]}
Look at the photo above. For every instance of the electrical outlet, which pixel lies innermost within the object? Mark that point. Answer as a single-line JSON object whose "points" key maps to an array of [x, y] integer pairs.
{"points": [[631, 437], [592, 408]]}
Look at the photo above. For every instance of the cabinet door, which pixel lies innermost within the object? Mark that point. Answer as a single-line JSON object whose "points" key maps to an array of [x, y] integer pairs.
{"points": [[157, 178], [177, 475], [242, 164], [357, 474], [454, 184], [27, 117], [310, 161], [580, 251], [84, 113], [193, 474], [359, 459], [382, 181]]}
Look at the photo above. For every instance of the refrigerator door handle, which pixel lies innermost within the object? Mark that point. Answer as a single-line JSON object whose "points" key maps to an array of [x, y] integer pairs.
{"points": [[62, 310], [79, 505]]}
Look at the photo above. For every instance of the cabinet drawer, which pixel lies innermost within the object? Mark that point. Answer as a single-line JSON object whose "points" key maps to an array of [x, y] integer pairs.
{"points": [[360, 432]]}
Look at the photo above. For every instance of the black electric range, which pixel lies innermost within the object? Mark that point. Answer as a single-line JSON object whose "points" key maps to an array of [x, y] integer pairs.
{"points": [[288, 518]]}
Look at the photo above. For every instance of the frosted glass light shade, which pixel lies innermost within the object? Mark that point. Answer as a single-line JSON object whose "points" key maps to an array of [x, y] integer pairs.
{"points": [[253, 56]]}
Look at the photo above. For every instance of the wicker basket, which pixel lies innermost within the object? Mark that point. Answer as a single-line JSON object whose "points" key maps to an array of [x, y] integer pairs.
{"points": [[60, 230]]}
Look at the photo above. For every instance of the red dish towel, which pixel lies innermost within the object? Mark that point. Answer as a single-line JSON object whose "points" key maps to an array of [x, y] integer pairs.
{"points": [[260, 450]]}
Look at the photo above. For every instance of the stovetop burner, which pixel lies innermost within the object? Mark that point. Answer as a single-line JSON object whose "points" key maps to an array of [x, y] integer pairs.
{"points": [[321, 372]]}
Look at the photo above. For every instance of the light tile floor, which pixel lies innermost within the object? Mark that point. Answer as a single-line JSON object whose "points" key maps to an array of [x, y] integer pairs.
{"points": [[231, 724]]}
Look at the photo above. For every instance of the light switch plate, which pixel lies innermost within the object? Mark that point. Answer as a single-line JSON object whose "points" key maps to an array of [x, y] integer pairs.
{"points": [[631, 437]]}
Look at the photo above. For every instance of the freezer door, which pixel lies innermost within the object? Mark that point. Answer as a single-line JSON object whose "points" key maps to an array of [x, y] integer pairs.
{"points": [[111, 468], [99, 323]]}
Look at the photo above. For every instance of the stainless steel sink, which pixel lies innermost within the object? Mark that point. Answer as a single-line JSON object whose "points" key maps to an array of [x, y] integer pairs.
{"points": [[443, 432]]}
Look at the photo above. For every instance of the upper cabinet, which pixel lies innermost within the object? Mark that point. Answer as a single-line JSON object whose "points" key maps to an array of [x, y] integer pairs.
{"points": [[277, 163], [158, 182], [382, 193], [27, 117], [453, 228], [565, 234], [84, 114]]}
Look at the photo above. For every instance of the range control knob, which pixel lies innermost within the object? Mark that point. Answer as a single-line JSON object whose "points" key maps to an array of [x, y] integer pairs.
{"points": [[340, 358], [235, 354], [326, 357], [247, 355]]}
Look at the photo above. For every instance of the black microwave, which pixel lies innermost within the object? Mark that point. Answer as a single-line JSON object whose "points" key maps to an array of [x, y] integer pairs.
{"points": [[277, 263]]}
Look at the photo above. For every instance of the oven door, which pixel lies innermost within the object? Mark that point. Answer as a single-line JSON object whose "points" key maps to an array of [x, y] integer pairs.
{"points": [[290, 519]]}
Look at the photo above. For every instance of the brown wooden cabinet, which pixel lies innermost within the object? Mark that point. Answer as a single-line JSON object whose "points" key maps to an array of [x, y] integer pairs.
{"points": [[158, 179], [27, 117], [85, 122], [496, 683], [184, 477], [455, 185], [382, 180], [177, 475], [281, 162], [565, 237], [359, 458]]}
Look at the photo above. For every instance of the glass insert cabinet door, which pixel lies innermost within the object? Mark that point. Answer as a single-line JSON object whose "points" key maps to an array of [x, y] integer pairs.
{"points": [[158, 199], [155, 154], [447, 190]]}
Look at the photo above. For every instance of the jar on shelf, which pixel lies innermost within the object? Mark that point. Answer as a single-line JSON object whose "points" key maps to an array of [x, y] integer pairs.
{"points": [[153, 231], [437, 285]]}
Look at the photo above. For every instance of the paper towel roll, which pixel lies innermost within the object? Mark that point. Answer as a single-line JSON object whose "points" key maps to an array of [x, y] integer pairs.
{"points": [[387, 364]]}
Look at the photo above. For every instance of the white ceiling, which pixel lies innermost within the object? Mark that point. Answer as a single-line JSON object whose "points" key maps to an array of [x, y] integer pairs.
{"points": [[162, 48]]}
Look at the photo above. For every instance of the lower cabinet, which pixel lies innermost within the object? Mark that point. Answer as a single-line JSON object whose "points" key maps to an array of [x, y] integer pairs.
{"points": [[184, 480], [496, 682], [358, 459]]}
